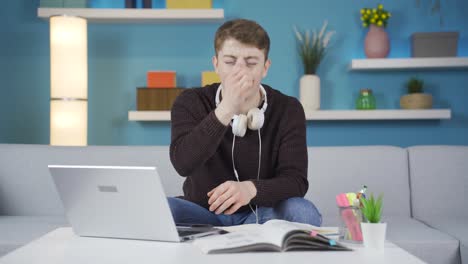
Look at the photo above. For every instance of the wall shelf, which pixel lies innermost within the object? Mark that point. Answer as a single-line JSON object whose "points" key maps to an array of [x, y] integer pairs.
{"points": [[397, 114], [149, 115], [325, 115], [409, 63], [140, 15]]}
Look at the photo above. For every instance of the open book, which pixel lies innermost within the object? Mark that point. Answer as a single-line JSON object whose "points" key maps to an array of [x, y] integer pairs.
{"points": [[274, 235]]}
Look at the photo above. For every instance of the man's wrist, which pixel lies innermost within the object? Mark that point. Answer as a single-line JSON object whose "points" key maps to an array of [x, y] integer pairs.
{"points": [[251, 188], [223, 115]]}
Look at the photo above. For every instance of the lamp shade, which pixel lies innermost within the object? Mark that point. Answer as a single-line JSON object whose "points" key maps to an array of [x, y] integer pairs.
{"points": [[69, 80], [68, 122]]}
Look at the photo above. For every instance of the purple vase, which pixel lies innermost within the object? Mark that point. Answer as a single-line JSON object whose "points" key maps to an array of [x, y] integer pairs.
{"points": [[377, 43]]}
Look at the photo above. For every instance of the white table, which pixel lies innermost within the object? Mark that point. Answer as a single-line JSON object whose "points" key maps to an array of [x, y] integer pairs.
{"points": [[62, 246]]}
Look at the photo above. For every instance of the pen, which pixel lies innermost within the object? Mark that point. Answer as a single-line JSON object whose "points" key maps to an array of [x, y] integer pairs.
{"points": [[361, 192]]}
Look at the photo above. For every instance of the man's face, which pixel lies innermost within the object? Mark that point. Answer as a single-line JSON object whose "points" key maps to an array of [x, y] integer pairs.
{"points": [[233, 55]]}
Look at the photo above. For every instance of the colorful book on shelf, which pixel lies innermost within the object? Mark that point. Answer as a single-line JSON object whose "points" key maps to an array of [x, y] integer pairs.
{"points": [[161, 79], [189, 4], [209, 77], [51, 3], [274, 235]]}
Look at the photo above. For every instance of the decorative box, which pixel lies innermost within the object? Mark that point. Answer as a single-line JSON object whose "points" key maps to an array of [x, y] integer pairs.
{"points": [[434, 44], [161, 79], [156, 99], [209, 77]]}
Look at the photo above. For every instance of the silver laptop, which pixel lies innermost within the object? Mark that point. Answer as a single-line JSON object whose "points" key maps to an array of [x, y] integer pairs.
{"points": [[120, 202]]}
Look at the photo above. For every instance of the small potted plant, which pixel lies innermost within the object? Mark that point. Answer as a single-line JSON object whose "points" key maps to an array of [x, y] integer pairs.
{"points": [[416, 98], [373, 231], [312, 49]]}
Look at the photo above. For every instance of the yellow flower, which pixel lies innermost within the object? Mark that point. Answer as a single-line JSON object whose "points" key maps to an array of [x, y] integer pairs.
{"points": [[376, 16], [368, 12], [365, 24], [363, 19], [363, 11], [372, 21], [380, 7], [379, 23], [374, 10], [384, 16]]}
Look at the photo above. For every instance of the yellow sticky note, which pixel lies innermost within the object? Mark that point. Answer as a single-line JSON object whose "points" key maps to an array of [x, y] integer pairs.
{"points": [[209, 77], [351, 198]]}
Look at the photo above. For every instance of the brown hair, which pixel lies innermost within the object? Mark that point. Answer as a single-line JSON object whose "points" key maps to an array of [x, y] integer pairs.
{"points": [[245, 31]]}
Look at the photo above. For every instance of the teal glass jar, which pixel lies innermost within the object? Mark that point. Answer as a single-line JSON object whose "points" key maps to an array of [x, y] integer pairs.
{"points": [[366, 100]]}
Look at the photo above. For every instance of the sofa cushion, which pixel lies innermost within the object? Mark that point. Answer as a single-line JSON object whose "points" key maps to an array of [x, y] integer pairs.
{"points": [[16, 231], [439, 186], [26, 187], [334, 170], [429, 244], [457, 228], [439, 181]]}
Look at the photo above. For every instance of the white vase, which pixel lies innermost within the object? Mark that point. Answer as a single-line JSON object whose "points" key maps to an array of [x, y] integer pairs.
{"points": [[374, 235], [309, 92]]}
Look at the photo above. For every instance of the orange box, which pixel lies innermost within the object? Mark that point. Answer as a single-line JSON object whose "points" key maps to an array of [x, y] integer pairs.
{"points": [[161, 79]]}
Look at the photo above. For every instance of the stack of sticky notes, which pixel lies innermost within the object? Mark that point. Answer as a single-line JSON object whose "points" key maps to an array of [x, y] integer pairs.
{"points": [[161, 79], [209, 77], [188, 4]]}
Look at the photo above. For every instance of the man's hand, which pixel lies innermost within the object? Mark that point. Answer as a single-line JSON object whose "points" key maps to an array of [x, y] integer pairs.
{"points": [[230, 196], [239, 95]]}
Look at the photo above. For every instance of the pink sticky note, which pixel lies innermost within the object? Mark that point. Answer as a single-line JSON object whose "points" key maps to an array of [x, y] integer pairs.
{"points": [[342, 200]]}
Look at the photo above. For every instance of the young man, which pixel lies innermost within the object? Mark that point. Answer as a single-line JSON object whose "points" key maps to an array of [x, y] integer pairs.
{"points": [[258, 175]]}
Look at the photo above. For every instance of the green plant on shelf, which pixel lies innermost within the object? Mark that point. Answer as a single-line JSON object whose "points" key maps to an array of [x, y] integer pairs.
{"points": [[313, 47], [415, 85]]}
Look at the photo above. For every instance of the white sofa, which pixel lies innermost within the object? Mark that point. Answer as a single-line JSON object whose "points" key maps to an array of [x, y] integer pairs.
{"points": [[425, 189]]}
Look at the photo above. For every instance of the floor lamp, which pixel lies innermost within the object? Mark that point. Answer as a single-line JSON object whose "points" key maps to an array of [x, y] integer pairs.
{"points": [[68, 81]]}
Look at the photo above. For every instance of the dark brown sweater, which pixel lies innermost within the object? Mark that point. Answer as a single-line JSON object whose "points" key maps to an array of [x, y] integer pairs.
{"points": [[201, 148]]}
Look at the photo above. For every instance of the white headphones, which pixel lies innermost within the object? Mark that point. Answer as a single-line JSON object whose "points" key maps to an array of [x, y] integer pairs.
{"points": [[253, 120]]}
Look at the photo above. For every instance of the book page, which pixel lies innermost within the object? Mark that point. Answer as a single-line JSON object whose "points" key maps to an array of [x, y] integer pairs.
{"points": [[276, 230], [237, 239], [324, 230], [241, 236]]}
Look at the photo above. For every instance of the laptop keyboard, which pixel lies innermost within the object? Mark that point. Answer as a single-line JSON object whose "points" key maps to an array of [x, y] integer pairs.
{"points": [[185, 232]]}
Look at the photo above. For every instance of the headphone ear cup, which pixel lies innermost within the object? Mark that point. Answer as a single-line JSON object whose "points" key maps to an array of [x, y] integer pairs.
{"points": [[239, 125], [255, 119]]}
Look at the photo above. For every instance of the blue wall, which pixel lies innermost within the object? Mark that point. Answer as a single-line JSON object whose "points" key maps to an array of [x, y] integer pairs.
{"points": [[120, 54]]}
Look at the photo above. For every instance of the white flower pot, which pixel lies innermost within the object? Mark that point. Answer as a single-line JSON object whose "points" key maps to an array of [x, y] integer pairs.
{"points": [[309, 92], [374, 235]]}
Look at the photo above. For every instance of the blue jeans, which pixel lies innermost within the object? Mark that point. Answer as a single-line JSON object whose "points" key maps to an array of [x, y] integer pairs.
{"points": [[293, 209]]}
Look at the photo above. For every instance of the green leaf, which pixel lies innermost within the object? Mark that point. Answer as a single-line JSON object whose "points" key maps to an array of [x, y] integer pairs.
{"points": [[372, 208], [311, 50]]}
